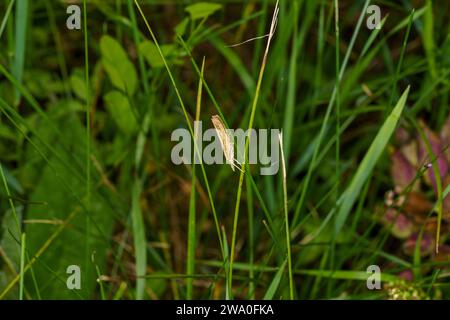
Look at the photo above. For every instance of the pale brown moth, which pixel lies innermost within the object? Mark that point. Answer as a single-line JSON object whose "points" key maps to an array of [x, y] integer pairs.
{"points": [[226, 141]]}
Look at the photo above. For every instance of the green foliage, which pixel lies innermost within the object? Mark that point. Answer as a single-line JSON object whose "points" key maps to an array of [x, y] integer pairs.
{"points": [[10, 244], [368, 163], [120, 110], [85, 149], [63, 193], [202, 9], [119, 68], [151, 54]]}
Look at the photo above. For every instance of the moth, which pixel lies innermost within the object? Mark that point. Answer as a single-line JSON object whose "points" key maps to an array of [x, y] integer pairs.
{"points": [[226, 142]]}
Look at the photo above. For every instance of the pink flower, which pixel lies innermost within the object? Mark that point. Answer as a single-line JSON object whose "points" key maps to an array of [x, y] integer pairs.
{"points": [[402, 227], [426, 244]]}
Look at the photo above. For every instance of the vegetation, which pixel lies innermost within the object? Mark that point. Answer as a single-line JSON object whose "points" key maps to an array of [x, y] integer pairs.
{"points": [[88, 181]]}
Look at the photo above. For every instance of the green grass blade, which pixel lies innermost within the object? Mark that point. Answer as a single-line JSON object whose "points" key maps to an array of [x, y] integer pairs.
{"points": [[251, 234], [191, 244], [5, 18], [247, 143], [270, 293], [346, 275], [289, 114], [88, 139], [140, 243], [20, 43], [327, 116], [234, 60], [10, 199], [286, 222], [22, 264], [368, 163], [41, 251], [437, 177], [180, 100], [428, 38], [373, 36]]}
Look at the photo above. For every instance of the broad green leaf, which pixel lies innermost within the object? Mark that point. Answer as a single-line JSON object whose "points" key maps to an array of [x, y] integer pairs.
{"points": [[78, 84], [42, 84], [62, 192], [120, 110], [150, 52], [348, 198], [180, 29], [111, 49], [119, 68], [202, 9]]}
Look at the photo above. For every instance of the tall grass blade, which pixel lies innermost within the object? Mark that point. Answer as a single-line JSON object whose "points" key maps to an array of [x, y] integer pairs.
{"points": [[6, 16], [20, 43], [348, 198], [270, 293], [247, 142], [22, 264], [286, 221], [88, 139], [192, 219], [183, 107], [140, 243]]}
